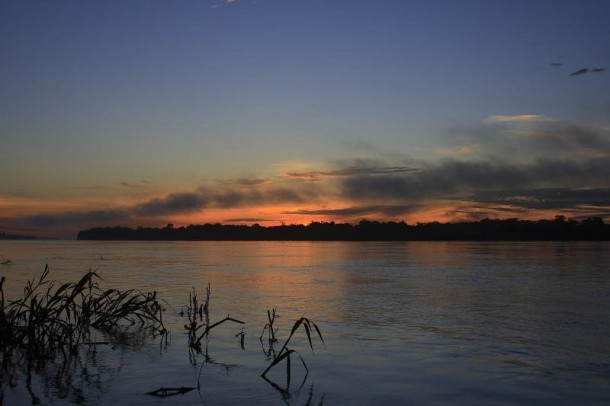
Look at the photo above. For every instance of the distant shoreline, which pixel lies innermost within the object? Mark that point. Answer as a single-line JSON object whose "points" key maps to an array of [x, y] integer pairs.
{"points": [[559, 229], [16, 237]]}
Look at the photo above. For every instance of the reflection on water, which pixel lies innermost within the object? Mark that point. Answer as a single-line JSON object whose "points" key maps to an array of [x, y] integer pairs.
{"points": [[79, 378], [417, 322]]}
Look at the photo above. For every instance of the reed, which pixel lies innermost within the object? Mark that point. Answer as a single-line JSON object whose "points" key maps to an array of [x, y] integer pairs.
{"points": [[52, 320], [199, 328], [285, 352], [269, 327], [55, 318]]}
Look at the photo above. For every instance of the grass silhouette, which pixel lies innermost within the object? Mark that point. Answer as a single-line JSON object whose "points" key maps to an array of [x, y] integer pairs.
{"points": [[55, 318]]}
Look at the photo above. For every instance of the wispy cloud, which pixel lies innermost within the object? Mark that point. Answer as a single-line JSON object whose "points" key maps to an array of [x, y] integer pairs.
{"points": [[243, 220], [222, 3], [564, 136], [579, 72], [352, 171], [460, 150], [517, 118], [356, 211], [105, 187], [529, 136], [254, 181], [141, 184], [548, 198], [587, 70]]}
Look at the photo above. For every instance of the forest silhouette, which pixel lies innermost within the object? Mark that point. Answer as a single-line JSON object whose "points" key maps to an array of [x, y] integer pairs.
{"points": [[366, 230]]}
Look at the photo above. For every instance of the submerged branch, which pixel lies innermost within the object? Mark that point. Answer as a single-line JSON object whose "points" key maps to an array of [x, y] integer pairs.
{"points": [[165, 392], [208, 328]]}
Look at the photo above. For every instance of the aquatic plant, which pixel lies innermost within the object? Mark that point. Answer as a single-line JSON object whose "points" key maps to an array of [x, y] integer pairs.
{"points": [[53, 318], [42, 332], [269, 327], [285, 352], [195, 313], [196, 324], [242, 337], [52, 321]]}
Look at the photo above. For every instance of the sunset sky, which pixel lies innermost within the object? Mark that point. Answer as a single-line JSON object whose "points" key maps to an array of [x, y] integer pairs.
{"points": [[148, 112]]}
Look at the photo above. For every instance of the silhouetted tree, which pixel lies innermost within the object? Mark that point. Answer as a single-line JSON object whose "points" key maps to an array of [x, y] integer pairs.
{"points": [[367, 230]]}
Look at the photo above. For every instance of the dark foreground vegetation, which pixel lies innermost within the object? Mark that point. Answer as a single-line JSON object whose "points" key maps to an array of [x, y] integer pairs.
{"points": [[53, 332], [485, 230], [54, 319], [53, 322]]}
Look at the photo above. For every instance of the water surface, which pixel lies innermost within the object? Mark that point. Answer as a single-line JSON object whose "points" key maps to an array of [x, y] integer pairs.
{"points": [[404, 323]]}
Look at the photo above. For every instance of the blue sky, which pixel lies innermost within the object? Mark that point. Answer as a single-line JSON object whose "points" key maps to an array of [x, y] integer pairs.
{"points": [[107, 106]]}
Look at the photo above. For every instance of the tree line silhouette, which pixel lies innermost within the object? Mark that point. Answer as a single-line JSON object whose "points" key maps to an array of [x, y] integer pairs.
{"points": [[484, 230]]}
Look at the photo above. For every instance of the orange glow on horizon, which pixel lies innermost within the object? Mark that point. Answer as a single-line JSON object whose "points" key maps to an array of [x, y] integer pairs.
{"points": [[73, 214]]}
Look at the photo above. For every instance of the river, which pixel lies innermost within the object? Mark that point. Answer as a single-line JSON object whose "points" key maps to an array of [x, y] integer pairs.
{"points": [[499, 323]]}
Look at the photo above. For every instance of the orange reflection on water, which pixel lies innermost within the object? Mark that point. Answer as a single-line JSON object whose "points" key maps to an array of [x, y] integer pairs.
{"points": [[289, 276]]}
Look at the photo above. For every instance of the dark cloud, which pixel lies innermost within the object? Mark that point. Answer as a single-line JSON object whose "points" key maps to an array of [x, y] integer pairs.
{"points": [[589, 214], [243, 181], [349, 211], [572, 175], [288, 195], [586, 70], [575, 174], [190, 202], [249, 220], [446, 180], [390, 191], [580, 72], [173, 204], [545, 184], [509, 209], [353, 171], [530, 136], [388, 210], [234, 198], [549, 199], [111, 216], [560, 135]]}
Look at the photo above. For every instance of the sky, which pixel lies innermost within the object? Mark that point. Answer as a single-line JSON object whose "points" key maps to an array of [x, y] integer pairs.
{"points": [[148, 112]]}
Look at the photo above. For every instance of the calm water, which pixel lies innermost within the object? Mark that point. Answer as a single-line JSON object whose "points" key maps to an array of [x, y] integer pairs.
{"points": [[404, 323]]}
